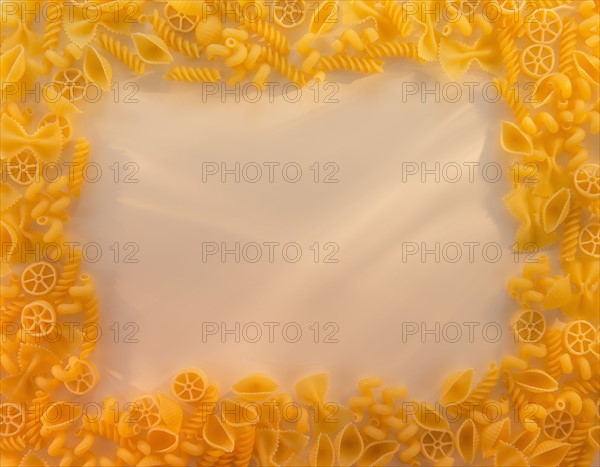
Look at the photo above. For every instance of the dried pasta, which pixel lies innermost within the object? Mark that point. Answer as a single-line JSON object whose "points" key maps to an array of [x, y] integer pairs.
{"points": [[545, 394]]}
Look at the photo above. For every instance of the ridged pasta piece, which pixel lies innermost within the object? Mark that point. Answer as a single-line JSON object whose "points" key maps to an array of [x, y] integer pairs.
{"points": [[350, 63], [568, 45], [520, 110], [549, 453], [387, 49], [172, 38], [508, 51], [572, 227], [493, 434], [53, 27], [80, 159], [396, 12], [122, 53], [193, 74], [283, 66], [244, 445]]}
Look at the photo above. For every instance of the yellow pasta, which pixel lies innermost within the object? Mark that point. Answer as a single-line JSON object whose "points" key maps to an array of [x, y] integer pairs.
{"points": [[550, 381]]}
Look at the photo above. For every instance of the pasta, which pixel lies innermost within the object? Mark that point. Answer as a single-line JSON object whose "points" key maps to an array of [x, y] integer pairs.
{"points": [[198, 74], [171, 38], [550, 382], [122, 53]]}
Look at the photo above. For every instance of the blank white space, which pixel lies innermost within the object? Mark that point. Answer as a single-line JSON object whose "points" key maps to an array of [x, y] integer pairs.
{"points": [[370, 133]]}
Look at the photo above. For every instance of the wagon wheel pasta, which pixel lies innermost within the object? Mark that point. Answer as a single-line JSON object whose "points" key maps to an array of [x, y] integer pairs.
{"points": [[545, 395]]}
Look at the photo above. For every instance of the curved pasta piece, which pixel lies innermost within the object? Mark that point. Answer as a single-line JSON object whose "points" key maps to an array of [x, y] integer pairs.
{"points": [[429, 418], [324, 17], [171, 412], [255, 387], [216, 434], [348, 445], [378, 454], [514, 140], [12, 65], [551, 86], [162, 439], [313, 388], [151, 48], [549, 453], [291, 443], [535, 381], [588, 67], [509, 456], [322, 452], [556, 209], [97, 69], [493, 434], [466, 441], [456, 388], [209, 31]]}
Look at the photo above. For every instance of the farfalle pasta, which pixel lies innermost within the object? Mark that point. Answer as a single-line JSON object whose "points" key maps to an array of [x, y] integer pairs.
{"points": [[546, 396]]}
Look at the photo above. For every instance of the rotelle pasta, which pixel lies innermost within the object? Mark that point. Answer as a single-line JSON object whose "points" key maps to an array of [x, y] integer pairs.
{"points": [[546, 395]]}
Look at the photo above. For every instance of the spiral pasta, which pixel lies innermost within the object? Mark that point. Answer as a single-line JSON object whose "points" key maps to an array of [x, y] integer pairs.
{"points": [[350, 63], [122, 53], [196, 74]]}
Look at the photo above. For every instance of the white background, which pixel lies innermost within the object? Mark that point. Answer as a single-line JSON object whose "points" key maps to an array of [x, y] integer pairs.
{"points": [[369, 294]]}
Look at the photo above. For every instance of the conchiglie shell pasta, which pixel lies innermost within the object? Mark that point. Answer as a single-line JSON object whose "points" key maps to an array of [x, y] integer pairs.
{"points": [[324, 17], [549, 453], [378, 454], [12, 65], [514, 140], [97, 69], [467, 441], [255, 387], [556, 209], [348, 445], [209, 31], [429, 418], [170, 412], [312, 388], [526, 440], [291, 443], [536, 381], [322, 452], [457, 387], [151, 48], [161, 439], [588, 67], [558, 294], [216, 434], [492, 434], [509, 456]]}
